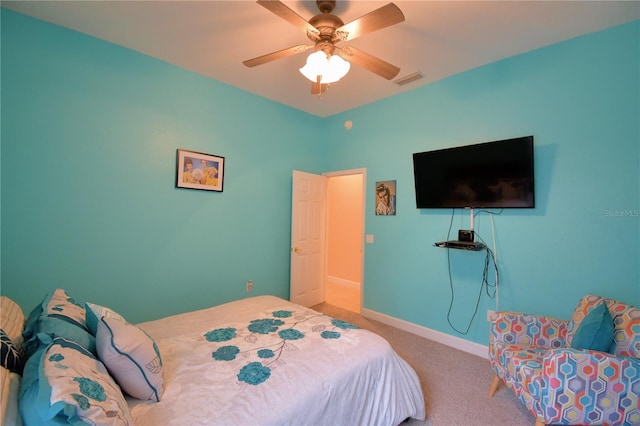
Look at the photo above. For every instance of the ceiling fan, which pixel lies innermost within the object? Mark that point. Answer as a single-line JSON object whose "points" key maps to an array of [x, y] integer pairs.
{"points": [[327, 29]]}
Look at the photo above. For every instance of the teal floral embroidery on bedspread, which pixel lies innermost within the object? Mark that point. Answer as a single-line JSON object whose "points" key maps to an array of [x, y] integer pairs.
{"points": [[264, 326], [226, 353], [268, 338], [342, 324], [220, 334], [254, 373]]}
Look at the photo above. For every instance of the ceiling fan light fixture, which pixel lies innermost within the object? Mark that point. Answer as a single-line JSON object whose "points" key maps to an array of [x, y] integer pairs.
{"points": [[330, 68]]}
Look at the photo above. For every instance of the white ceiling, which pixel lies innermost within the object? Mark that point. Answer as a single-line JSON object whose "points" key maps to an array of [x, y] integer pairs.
{"points": [[437, 39]]}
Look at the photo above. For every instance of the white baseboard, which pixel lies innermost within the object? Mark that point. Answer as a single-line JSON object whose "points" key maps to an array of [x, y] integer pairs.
{"points": [[427, 333], [342, 282]]}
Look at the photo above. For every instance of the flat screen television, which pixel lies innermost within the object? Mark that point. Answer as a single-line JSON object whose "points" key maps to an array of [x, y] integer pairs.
{"points": [[487, 175]]}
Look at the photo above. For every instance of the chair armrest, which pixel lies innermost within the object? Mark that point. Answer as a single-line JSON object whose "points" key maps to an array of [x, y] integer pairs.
{"points": [[516, 328], [590, 387]]}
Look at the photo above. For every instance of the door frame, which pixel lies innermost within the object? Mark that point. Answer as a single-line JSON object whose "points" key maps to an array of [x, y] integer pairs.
{"points": [[363, 172]]}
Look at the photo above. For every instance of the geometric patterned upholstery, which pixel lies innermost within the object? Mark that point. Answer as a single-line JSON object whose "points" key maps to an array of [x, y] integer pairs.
{"points": [[559, 385], [591, 388]]}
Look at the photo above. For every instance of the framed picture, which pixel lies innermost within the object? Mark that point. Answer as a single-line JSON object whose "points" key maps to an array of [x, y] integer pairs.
{"points": [[386, 198], [197, 170]]}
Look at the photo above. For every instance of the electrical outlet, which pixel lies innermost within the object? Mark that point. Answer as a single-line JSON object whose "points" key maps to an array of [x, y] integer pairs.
{"points": [[490, 313], [249, 285]]}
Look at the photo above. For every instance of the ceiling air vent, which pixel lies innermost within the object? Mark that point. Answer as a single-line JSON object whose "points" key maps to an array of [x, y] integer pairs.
{"points": [[409, 78]]}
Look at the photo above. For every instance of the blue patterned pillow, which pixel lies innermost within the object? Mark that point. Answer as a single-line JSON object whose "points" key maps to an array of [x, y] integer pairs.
{"points": [[56, 327], [65, 384], [58, 315], [57, 304], [10, 356]]}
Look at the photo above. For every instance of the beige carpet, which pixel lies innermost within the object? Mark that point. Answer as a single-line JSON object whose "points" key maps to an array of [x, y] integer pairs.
{"points": [[454, 383]]}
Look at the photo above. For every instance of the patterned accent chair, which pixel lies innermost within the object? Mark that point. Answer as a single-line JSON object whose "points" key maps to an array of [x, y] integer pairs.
{"points": [[533, 356]]}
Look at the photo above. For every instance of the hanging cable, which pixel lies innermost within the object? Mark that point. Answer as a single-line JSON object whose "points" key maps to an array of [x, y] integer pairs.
{"points": [[485, 284], [495, 252], [495, 257]]}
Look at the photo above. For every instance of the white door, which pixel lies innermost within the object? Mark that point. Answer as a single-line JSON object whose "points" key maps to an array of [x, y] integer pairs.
{"points": [[307, 239]]}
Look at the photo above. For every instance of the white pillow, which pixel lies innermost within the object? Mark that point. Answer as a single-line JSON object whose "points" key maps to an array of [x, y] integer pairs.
{"points": [[132, 358], [95, 312]]}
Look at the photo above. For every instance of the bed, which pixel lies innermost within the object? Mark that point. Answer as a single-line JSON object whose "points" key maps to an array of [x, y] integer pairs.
{"points": [[255, 361]]}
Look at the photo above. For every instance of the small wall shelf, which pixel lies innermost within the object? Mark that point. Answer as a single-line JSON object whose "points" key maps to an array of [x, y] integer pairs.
{"points": [[461, 245]]}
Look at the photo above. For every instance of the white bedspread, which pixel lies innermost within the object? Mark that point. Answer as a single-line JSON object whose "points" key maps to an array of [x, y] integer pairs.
{"points": [[293, 366]]}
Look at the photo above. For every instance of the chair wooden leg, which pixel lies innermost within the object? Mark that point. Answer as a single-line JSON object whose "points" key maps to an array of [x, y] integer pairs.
{"points": [[539, 422], [494, 386]]}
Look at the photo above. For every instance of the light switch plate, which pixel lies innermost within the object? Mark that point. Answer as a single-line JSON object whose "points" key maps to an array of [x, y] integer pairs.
{"points": [[369, 239]]}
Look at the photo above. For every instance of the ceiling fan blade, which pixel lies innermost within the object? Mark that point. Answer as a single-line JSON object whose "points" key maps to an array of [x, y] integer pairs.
{"points": [[369, 62], [380, 18], [276, 55], [280, 9]]}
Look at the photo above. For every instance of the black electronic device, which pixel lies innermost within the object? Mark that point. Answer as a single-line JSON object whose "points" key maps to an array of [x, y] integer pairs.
{"points": [[466, 235], [496, 174]]}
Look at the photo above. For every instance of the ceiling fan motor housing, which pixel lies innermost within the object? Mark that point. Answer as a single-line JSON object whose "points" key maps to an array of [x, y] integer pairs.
{"points": [[326, 24], [326, 6]]}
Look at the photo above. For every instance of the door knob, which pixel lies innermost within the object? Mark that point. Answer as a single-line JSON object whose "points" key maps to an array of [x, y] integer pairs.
{"points": [[296, 249]]}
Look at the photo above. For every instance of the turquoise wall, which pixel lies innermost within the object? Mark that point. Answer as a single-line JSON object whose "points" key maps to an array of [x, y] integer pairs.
{"points": [[89, 138], [581, 101]]}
